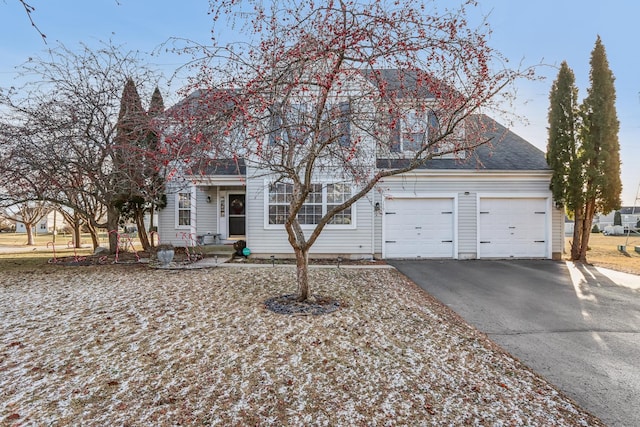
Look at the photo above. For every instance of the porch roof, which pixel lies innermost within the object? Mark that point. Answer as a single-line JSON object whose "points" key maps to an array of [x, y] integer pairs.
{"points": [[220, 172]]}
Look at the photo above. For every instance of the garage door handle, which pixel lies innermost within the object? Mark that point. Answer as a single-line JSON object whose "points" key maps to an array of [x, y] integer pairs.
{"points": [[541, 213], [485, 241], [389, 213], [447, 212], [447, 241], [390, 241], [538, 241], [510, 228]]}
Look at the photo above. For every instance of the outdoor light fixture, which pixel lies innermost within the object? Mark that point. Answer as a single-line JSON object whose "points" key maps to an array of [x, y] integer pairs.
{"points": [[208, 199], [376, 207]]}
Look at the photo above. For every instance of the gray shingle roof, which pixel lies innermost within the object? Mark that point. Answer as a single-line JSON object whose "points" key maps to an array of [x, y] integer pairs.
{"points": [[506, 152], [223, 167]]}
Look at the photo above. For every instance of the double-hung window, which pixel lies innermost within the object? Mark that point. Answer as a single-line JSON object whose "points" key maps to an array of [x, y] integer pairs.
{"points": [[336, 195], [416, 130], [183, 217], [321, 199], [312, 210], [295, 123], [280, 195]]}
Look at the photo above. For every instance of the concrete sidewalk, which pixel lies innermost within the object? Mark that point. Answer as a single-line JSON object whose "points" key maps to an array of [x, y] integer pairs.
{"points": [[627, 280]]}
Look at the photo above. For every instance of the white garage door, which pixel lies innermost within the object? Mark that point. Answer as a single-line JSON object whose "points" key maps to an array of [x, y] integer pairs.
{"points": [[513, 228], [419, 228]]}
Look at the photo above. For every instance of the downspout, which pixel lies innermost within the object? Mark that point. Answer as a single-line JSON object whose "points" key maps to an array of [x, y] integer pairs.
{"points": [[217, 209], [373, 228]]}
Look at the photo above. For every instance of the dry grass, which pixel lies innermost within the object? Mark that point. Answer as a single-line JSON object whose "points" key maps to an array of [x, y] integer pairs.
{"points": [[604, 252], [127, 345]]}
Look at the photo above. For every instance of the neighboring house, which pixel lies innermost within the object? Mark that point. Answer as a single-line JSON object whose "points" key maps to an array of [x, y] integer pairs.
{"points": [[630, 215], [491, 203], [52, 221]]}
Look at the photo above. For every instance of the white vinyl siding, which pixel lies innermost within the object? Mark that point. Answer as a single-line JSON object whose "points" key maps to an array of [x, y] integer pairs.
{"points": [[354, 240], [467, 230], [557, 231], [207, 218], [167, 219]]}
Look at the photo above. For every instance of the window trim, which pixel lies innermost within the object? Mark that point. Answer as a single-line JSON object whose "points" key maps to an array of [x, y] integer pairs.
{"points": [[177, 210], [337, 116], [324, 184], [416, 117]]}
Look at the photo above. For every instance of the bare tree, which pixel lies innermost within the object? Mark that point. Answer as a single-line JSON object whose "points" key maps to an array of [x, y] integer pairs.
{"points": [[29, 10], [29, 214], [329, 89], [60, 131], [5, 223]]}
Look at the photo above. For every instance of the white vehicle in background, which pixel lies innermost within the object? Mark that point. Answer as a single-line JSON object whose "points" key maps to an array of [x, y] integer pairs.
{"points": [[613, 230]]}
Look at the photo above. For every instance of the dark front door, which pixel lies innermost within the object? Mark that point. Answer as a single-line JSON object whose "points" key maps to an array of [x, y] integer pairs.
{"points": [[236, 214]]}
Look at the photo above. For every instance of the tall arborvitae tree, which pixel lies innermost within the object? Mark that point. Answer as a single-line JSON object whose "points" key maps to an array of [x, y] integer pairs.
{"points": [[600, 145], [563, 148], [128, 159], [583, 148], [152, 167]]}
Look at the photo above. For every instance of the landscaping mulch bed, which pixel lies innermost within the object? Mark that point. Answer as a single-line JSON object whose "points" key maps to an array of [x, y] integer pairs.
{"points": [[289, 304]]}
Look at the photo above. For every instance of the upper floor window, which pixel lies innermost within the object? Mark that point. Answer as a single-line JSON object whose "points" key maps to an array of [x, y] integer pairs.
{"points": [[415, 131], [297, 123]]}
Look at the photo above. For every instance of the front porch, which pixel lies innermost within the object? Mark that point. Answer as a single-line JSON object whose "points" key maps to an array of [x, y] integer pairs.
{"points": [[222, 218]]}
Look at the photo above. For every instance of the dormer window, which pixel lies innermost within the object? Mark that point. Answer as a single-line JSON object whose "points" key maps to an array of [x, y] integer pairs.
{"points": [[416, 130]]}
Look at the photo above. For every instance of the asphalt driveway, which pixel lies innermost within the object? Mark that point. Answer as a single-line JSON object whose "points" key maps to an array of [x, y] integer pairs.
{"points": [[579, 327]]}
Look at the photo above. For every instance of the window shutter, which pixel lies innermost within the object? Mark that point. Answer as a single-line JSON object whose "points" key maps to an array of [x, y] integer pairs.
{"points": [[275, 127], [395, 141], [433, 126], [345, 124]]}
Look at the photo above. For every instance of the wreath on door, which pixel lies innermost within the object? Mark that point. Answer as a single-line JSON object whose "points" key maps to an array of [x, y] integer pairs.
{"points": [[237, 207]]}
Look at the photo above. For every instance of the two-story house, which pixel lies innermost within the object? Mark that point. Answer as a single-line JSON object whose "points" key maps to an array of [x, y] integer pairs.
{"points": [[491, 202]]}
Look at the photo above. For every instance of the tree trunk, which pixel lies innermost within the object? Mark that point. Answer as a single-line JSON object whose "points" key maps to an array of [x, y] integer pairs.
{"points": [[302, 274], [30, 238], [95, 239], [590, 210], [142, 231], [151, 229], [113, 222], [577, 233], [76, 230]]}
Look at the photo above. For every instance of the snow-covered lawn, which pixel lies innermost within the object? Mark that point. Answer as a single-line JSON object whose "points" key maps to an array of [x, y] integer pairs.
{"points": [[128, 345]]}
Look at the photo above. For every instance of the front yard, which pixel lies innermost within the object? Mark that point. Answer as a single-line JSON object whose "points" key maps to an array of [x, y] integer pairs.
{"points": [[604, 252], [128, 345]]}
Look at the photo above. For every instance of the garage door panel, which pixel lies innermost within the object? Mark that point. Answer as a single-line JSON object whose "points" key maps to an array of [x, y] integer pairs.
{"points": [[419, 228], [513, 227]]}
